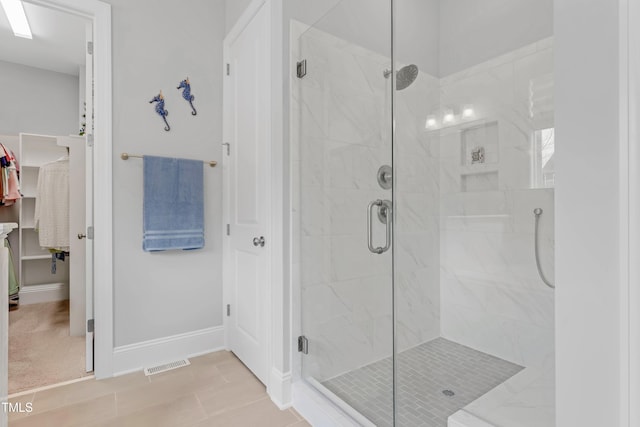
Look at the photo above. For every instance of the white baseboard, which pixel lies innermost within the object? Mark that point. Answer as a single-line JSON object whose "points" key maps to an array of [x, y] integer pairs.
{"points": [[135, 357], [279, 389], [36, 294]]}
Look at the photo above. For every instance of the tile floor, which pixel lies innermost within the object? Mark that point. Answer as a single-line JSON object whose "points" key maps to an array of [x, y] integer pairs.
{"points": [[425, 372], [215, 390]]}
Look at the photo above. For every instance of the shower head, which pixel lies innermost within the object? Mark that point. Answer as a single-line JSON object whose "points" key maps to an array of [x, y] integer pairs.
{"points": [[404, 77]]}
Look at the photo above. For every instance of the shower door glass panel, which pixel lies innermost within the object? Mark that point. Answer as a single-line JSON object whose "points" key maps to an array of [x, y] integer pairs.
{"points": [[473, 158], [342, 136]]}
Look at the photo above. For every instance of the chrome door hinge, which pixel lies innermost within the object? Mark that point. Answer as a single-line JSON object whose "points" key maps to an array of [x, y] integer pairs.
{"points": [[228, 229], [90, 48], [228, 310], [303, 344], [301, 68], [228, 69], [89, 140], [90, 232], [90, 325]]}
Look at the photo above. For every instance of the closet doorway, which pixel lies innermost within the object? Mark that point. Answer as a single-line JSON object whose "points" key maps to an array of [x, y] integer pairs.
{"points": [[50, 327]]}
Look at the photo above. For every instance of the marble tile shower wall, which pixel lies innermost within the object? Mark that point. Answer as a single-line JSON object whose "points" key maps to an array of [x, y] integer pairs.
{"points": [[342, 123], [417, 234], [492, 298], [464, 234]]}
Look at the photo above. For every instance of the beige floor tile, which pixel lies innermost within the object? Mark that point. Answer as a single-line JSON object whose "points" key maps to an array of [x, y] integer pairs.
{"points": [[165, 389], [301, 423], [217, 399], [217, 386], [213, 358], [262, 413], [85, 390], [201, 374], [22, 400], [234, 370], [80, 414], [296, 413], [184, 411]]}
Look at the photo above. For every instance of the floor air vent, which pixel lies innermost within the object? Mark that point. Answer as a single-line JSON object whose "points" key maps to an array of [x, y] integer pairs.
{"points": [[166, 367]]}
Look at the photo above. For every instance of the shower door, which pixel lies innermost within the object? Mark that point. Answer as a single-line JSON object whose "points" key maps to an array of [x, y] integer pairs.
{"points": [[343, 207]]}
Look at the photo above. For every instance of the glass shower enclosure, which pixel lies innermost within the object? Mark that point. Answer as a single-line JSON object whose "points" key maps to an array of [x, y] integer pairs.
{"points": [[422, 143]]}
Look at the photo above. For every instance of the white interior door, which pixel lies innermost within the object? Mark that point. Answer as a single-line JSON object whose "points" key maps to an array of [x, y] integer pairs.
{"points": [[77, 227], [247, 255], [88, 176]]}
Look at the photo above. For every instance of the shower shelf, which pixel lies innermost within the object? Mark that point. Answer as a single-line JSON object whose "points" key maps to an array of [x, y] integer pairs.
{"points": [[479, 169]]}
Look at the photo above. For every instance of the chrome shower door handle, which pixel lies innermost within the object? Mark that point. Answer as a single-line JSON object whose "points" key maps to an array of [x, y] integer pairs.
{"points": [[369, 225], [380, 204], [389, 226]]}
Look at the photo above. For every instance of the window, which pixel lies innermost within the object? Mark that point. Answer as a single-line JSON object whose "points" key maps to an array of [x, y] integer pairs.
{"points": [[543, 169]]}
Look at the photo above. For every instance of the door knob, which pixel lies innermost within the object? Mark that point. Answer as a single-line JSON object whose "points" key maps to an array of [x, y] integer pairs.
{"points": [[82, 236], [259, 241]]}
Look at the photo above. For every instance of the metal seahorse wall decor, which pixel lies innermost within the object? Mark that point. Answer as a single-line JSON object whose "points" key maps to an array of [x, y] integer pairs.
{"points": [[186, 94], [161, 110]]}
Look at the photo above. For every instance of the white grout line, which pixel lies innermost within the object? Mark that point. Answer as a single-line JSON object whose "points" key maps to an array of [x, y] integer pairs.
{"points": [[48, 387]]}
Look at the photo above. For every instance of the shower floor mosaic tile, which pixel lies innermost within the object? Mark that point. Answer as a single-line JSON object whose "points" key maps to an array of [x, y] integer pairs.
{"points": [[435, 380]]}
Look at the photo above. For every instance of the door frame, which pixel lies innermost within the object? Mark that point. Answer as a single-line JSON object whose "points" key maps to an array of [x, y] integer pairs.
{"points": [[629, 54], [99, 13], [276, 310]]}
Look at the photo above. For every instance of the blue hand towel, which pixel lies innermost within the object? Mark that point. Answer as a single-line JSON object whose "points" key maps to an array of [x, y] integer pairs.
{"points": [[173, 204]]}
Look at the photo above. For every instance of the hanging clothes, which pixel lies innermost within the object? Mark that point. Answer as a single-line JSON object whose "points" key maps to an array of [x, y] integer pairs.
{"points": [[9, 177], [52, 205]]}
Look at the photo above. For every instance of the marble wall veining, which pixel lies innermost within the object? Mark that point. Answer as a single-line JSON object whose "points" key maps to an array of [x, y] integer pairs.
{"points": [[417, 200], [463, 250], [345, 290], [492, 298], [343, 117]]}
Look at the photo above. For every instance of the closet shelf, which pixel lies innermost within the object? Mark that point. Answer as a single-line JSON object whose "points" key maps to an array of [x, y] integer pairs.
{"points": [[35, 257], [35, 263]]}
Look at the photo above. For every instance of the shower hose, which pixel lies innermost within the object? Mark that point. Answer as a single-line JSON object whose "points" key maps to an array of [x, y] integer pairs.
{"points": [[538, 212]]}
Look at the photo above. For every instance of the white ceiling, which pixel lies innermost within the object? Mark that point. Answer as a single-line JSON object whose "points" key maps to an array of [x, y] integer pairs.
{"points": [[57, 45]]}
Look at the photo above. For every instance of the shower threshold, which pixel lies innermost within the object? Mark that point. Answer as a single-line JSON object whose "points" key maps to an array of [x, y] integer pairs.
{"points": [[435, 380]]}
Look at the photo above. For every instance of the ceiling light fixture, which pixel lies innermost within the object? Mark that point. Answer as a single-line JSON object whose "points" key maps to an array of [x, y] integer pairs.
{"points": [[17, 18]]}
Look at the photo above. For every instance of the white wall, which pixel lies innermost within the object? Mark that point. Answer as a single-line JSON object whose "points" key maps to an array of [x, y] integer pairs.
{"points": [[156, 44], [417, 34], [37, 101], [587, 214], [233, 10], [473, 31]]}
